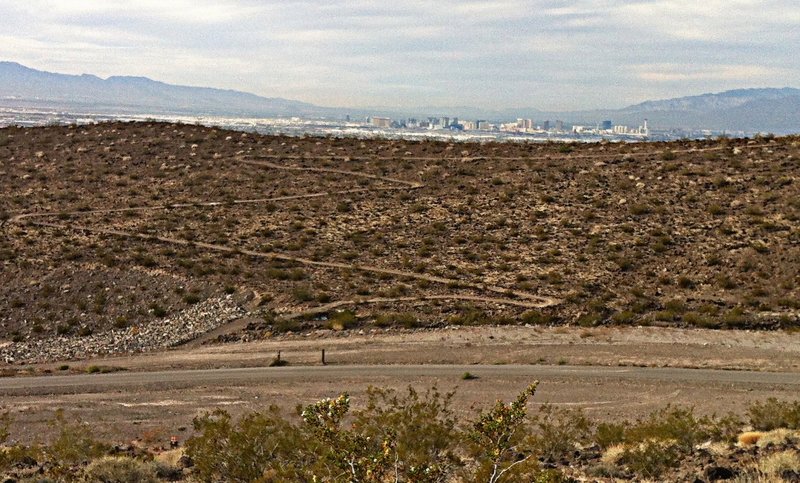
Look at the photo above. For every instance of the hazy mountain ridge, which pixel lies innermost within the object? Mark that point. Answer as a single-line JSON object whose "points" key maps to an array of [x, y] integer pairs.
{"points": [[750, 110], [23, 83], [722, 100]]}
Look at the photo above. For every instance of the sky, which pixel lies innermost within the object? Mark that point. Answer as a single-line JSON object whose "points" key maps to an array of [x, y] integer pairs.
{"points": [[491, 54]]}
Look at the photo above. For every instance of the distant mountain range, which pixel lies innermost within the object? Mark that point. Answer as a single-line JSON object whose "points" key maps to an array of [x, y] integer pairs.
{"points": [[749, 110], [135, 94]]}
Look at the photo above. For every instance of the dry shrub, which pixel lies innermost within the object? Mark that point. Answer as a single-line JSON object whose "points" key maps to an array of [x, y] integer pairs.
{"points": [[650, 459], [776, 437], [779, 463], [749, 438], [774, 414], [170, 458], [613, 454], [117, 469]]}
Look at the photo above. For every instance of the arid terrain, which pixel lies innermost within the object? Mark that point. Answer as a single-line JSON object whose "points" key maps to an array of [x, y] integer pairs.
{"points": [[624, 276], [129, 237]]}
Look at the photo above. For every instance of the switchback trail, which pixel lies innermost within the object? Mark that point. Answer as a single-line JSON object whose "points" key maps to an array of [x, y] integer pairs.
{"points": [[510, 297]]}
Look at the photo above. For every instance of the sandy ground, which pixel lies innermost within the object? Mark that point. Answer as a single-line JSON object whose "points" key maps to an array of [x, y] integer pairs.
{"points": [[612, 346], [155, 411]]}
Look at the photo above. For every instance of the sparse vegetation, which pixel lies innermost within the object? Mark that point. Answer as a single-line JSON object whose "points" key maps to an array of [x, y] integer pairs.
{"points": [[411, 436], [467, 247]]}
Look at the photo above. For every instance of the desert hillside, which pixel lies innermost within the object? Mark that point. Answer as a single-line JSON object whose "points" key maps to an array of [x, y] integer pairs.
{"points": [[137, 236]]}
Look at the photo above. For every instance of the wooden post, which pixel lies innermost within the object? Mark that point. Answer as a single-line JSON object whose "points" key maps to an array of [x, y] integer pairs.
{"points": [[323, 357]]}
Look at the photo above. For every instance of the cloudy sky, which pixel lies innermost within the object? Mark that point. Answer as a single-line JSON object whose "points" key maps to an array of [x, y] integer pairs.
{"points": [[553, 54]]}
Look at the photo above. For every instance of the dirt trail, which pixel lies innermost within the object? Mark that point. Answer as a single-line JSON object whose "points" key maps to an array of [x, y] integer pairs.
{"points": [[454, 157], [511, 297], [537, 300]]}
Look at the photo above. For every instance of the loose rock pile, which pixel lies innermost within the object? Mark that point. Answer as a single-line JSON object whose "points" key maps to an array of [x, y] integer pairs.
{"points": [[155, 335]]}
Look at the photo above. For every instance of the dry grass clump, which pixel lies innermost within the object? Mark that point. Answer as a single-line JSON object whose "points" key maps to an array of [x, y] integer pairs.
{"points": [[749, 438], [778, 464], [613, 455], [170, 458], [777, 437], [119, 469]]}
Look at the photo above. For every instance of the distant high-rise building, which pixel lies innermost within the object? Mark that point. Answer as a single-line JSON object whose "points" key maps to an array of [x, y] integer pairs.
{"points": [[381, 122], [606, 125], [560, 126], [482, 125], [546, 125], [527, 124]]}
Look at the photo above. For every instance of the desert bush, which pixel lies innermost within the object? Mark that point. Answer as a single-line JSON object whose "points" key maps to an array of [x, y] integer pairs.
{"points": [[403, 319], [74, 444], [535, 317], [556, 432], [158, 310], [672, 424], [303, 294], [650, 459], [470, 316], [258, 444], [421, 427], [498, 438], [347, 451], [342, 320], [778, 464], [607, 435], [118, 469], [773, 414]]}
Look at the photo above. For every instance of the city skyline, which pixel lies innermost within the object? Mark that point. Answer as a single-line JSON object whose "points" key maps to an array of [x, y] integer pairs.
{"points": [[492, 54]]}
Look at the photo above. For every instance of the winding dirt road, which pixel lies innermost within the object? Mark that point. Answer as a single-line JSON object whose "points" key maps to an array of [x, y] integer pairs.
{"points": [[528, 300]]}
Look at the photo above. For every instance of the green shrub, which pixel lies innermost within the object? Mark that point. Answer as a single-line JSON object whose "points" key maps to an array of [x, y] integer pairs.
{"points": [[672, 424], [342, 320], [773, 414], [498, 437], [74, 442], [609, 434], [303, 294], [421, 427], [652, 458], [158, 311], [556, 432], [403, 319], [256, 445], [470, 317], [535, 317]]}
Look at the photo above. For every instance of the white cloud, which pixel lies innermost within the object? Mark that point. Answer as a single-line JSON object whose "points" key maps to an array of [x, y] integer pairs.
{"points": [[682, 72], [547, 53]]}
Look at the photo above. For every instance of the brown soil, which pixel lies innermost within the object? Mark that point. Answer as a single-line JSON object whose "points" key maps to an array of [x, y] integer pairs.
{"points": [[426, 233]]}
